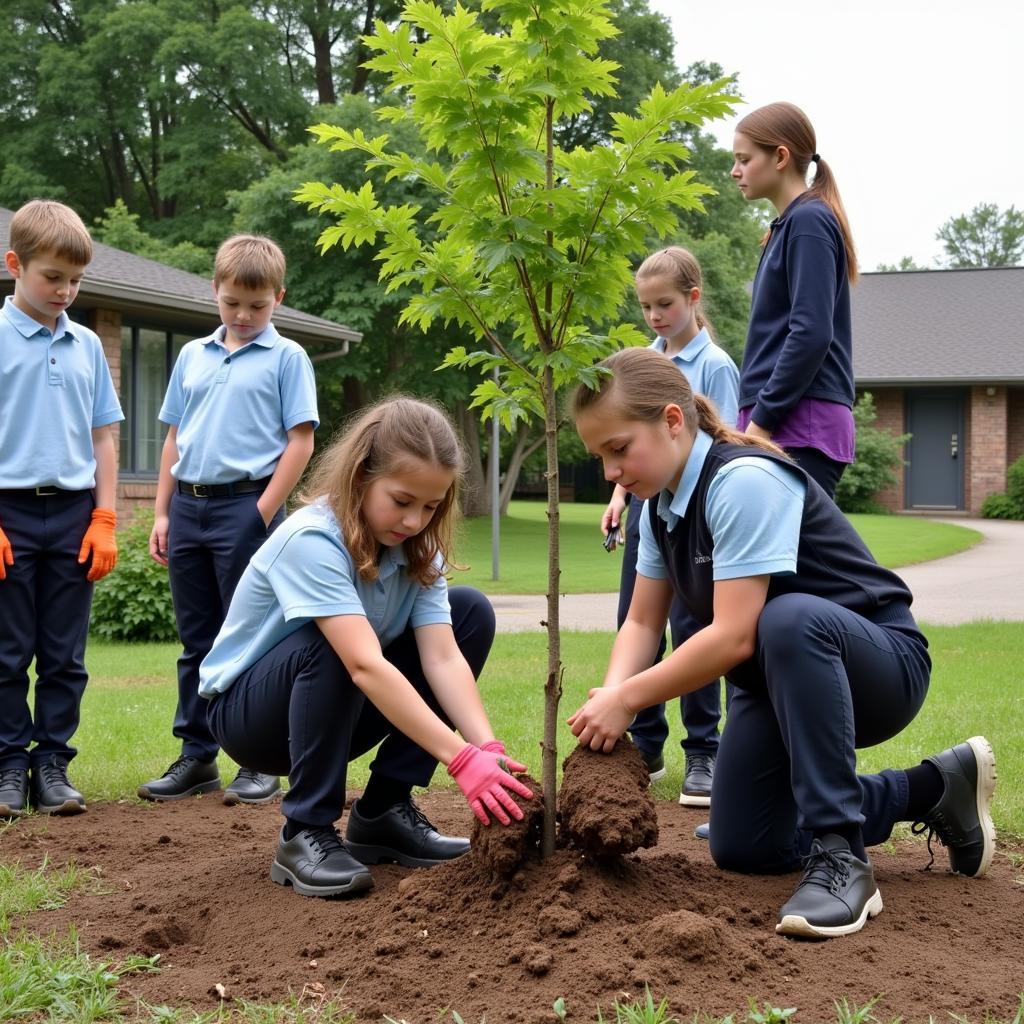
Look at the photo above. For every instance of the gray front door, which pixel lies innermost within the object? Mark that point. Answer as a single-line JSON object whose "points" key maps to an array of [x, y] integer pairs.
{"points": [[934, 475]]}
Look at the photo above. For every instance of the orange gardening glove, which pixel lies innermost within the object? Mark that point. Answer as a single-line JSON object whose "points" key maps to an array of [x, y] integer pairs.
{"points": [[6, 555], [99, 541]]}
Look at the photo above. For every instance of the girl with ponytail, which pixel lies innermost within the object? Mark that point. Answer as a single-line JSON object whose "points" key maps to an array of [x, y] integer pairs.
{"points": [[669, 287], [816, 637], [796, 382]]}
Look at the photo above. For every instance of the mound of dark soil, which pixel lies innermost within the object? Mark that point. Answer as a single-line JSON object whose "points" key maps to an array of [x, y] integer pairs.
{"points": [[190, 881]]}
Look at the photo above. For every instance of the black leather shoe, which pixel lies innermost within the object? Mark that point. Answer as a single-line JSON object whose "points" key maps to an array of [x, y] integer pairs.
{"points": [[188, 776], [315, 863], [252, 787], [961, 819], [52, 793], [836, 896], [700, 772], [13, 792], [401, 834]]}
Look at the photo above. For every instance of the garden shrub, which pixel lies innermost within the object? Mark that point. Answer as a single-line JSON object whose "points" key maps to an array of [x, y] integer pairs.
{"points": [[1008, 505], [1015, 484], [133, 602], [878, 455], [1001, 506]]}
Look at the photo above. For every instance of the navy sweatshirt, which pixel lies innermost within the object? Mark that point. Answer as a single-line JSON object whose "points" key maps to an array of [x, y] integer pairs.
{"points": [[799, 342]]}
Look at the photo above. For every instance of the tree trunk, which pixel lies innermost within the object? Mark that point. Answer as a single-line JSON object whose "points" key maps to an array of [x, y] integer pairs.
{"points": [[322, 69], [477, 498], [361, 75], [553, 683], [521, 451]]}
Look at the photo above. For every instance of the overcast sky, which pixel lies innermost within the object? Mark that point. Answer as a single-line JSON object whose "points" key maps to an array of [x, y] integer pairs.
{"points": [[918, 105]]}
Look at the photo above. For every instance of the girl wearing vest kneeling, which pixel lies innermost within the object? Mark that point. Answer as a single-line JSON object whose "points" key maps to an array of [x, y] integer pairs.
{"points": [[816, 636]]}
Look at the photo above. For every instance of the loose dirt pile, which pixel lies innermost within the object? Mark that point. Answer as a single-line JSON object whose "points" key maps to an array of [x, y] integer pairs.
{"points": [[190, 881]]}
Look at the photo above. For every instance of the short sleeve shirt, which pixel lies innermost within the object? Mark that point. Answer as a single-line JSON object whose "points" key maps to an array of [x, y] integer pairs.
{"points": [[710, 371], [233, 410], [55, 389], [753, 508], [304, 571]]}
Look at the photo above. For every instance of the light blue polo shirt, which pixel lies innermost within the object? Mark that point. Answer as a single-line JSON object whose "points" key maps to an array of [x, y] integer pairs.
{"points": [[753, 507], [710, 372], [55, 389], [233, 410], [303, 571]]}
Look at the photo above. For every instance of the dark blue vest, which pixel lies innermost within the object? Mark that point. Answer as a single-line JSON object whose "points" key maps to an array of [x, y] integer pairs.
{"points": [[832, 561]]}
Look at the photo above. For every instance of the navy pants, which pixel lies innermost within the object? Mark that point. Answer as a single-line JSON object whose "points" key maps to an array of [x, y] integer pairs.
{"points": [[700, 710], [210, 542], [297, 712], [44, 614], [823, 682], [818, 466]]}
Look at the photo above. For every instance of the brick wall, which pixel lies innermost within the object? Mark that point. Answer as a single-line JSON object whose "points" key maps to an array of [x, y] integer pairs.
{"points": [[891, 418], [130, 495], [986, 446]]}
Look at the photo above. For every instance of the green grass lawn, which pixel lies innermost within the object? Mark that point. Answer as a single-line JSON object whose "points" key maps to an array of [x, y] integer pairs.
{"points": [[588, 568], [125, 735]]}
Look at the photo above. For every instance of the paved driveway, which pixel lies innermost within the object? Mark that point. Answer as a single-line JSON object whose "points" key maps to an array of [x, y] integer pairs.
{"points": [[986, 582]]}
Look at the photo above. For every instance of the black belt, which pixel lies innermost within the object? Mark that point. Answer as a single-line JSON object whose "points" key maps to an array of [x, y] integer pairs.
{"points": [[36, 492], [223, 490]]}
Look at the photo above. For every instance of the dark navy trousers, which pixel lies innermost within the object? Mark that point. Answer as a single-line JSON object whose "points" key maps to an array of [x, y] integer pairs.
{"points": [[818, 466], [823, 682], [44, 614], [297, 712], [210, 542], [700, 710]]}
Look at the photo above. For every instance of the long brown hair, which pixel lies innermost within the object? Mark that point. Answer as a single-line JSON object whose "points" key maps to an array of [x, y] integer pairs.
{"points": [[681, 266], [384, 439], [785, 124], [641, 382]]}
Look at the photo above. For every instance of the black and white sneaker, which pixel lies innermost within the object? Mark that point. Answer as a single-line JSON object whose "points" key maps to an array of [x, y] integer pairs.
{"points": [[700, 773], [962, 819], [655, 764], [836, 896]]}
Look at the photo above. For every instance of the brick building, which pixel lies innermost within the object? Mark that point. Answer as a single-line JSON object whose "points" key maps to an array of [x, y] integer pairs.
{"points": [[144, 312], [942, 352]]}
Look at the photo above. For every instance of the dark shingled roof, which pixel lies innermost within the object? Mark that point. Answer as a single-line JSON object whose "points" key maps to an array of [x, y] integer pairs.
{"points": [[939, 326], [119, 280]]}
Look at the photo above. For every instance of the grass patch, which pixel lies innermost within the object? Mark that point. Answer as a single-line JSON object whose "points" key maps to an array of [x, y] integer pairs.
{"points": [[588, 569], [23, 891], [54, 979]]}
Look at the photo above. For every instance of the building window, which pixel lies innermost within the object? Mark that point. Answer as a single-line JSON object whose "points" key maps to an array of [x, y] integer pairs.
{"points": [[147, 355]]}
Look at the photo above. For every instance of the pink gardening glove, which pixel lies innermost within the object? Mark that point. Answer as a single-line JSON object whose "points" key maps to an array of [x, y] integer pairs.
{"points": [[497, 747], [484, 780]]}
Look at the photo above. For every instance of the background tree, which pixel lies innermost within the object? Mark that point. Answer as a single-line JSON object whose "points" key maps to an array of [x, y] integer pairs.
{"points": [[985, 237], [906, 263], [529, 243]]}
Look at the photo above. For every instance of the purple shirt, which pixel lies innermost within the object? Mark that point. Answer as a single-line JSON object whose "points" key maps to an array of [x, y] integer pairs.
{"points": [[813, 423]]}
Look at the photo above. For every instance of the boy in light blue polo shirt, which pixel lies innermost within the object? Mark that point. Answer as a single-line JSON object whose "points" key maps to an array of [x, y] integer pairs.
{"points": [[240, 410], [58, 487]]}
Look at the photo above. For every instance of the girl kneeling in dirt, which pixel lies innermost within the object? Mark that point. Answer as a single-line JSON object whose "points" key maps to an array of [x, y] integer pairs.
{"points": [[816, 636], [343, 633]]}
